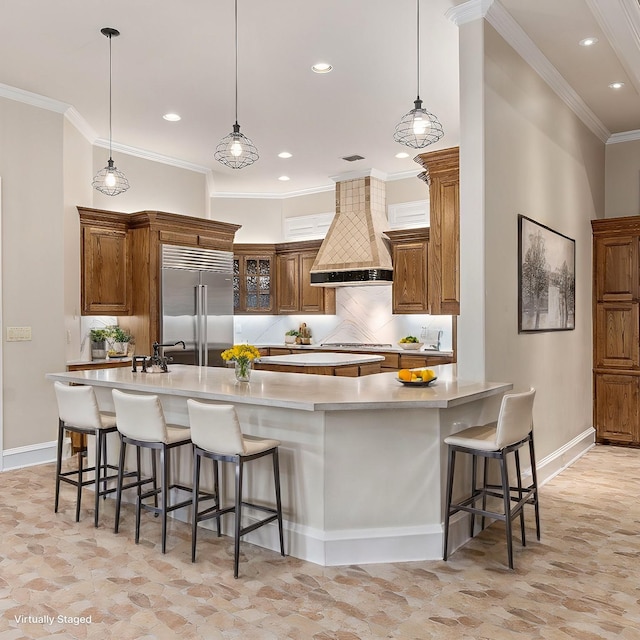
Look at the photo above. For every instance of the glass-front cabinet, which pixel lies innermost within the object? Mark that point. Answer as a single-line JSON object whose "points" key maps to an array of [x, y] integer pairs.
{"points": [[253, 279]]}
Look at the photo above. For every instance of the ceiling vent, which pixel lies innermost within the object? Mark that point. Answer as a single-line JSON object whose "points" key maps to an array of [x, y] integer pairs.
{"points": [[353, 158]]}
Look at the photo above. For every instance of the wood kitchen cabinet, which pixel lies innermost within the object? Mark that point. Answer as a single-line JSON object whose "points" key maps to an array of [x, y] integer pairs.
{"points": [[138, 262], [253, 278], [105, 287], [616, 330], [294, 291], [443, 272], [409, 253]]}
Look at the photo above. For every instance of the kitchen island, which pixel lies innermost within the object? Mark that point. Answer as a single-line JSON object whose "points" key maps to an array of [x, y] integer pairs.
{"points": [[326, 364], [362, 460]]}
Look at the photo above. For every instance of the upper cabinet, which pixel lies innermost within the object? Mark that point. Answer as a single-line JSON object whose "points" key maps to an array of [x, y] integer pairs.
{"points": [[253, 280], [409, 252], [294, 291], [616, 268], [444, 233], [121, 265], [106, 265]]}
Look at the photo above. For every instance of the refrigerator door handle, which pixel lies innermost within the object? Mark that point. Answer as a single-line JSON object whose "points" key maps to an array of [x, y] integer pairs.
{"points": [[205, 339], [199, 322]]}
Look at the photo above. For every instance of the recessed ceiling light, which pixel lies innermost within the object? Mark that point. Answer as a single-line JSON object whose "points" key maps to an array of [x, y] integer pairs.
{"points": [[172, 117], [587, 42], [321, 67], [284, 178], [402, 154], [616, 85], [284, 154]]}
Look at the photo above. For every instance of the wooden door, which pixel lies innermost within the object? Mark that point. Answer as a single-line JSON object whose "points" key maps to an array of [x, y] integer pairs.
{"points": [[617, 335], [616, 268], [616, 408], [410, 290], [287, 287]]}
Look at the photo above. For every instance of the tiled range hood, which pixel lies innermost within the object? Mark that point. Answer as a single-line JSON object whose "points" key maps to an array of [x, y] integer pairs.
{"points": [[354, 251]]}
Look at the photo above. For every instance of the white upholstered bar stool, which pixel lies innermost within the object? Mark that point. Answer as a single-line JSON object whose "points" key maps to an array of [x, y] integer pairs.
{"points": [[78, 412], [216, 434], [141, 423], [513, 430]]}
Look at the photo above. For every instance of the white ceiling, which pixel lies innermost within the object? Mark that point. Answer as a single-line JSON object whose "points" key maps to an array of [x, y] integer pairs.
{"points": [[180, 57]]}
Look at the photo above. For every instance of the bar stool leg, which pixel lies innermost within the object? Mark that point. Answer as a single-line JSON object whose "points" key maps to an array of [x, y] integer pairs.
{"points": [[59, 464], [474, 471], [450, 470], [123, 447], [276, 481], [164, 464], [534, 476], [98, 464], [194, 510], [216, 490], [238, 514], [507, 508], [80, 478], [484, 486], [105, 466], [519, 475]]}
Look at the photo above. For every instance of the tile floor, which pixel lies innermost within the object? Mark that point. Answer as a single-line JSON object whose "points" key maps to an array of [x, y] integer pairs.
{"points": [[579, 582]]}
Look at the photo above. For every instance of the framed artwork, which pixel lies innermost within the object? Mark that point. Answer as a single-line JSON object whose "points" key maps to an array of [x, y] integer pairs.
{"points": [[546, 278]]}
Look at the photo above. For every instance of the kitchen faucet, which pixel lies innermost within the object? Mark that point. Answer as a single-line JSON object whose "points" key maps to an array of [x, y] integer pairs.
{"points": [[156, 361]]}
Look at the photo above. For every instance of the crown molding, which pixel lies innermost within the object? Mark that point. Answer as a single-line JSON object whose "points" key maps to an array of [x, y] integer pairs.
{"points": [[33, 99], [625, 136], [85, 129], [468, 11], [502, 21], [273, 196], [151, 155]]}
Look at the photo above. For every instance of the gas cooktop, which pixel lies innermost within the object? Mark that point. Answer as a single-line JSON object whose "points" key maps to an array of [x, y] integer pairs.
{"points": [[354, 344]]}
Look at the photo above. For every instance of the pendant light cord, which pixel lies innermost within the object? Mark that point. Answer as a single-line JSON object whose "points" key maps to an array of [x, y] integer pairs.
{"points": [[418, 47], [236, 24], [110, 100]]}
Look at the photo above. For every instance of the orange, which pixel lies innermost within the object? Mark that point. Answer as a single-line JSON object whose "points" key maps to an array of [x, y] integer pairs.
{"points": [[404, 374]]}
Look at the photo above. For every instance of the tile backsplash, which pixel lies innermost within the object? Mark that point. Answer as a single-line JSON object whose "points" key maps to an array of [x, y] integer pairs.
{"points": [[363, 314]]}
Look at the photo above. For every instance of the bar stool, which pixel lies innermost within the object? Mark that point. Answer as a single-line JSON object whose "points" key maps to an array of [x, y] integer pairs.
{"points": [[216, 434], [513, 430], [78, 412], [141, 423]]}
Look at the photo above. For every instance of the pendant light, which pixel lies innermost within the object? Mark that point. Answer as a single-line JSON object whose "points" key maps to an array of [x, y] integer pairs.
{"points": [[109, 180], [236, 150], [418, 128]]}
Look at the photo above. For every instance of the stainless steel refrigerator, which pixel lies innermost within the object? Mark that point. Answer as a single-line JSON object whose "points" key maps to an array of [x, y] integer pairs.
{"points": [[197, 304]]}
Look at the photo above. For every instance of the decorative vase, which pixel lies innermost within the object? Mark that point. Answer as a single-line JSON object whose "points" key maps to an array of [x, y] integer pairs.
{"points": [[243, 370]]}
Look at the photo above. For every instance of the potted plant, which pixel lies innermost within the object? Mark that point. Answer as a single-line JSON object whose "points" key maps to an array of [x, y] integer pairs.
{"points": [[290, 336], [98, 338], [121, 339]]}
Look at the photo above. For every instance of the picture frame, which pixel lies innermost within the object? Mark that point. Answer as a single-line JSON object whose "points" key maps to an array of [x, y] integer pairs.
{"points": [[546, 278]]}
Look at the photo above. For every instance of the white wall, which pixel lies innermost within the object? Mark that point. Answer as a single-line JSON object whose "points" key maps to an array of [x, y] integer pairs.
{"points": [[154, 187], [622, 186], [261, 218], [540, 161], [31, 145]]}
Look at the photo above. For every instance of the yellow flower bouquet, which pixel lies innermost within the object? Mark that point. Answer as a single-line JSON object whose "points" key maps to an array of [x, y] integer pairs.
{"points": [[243, 355]]}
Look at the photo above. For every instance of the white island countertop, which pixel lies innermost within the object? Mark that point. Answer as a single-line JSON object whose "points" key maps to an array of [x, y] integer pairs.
{"points": [[307, 392]]}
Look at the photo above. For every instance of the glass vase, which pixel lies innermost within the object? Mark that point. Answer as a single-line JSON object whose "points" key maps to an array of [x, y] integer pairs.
{"points": [[243, 370]]}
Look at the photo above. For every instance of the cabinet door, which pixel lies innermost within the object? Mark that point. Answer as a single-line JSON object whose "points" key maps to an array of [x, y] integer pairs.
{"points": [[410, 278], [253, 284], [616, 268], [288, 283], [105, 272], [616, 408], [617, 335], [314, 299]]}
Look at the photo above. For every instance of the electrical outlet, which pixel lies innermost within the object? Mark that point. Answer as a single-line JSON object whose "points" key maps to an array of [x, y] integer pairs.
{"points": [[18, 334]]}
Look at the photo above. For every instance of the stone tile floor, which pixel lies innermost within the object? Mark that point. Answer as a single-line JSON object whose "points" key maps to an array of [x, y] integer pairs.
{"points": [[580, 581]]}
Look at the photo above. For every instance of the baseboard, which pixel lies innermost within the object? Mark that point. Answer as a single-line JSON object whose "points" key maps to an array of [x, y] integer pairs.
{"points": [[29, 455], [557, 461]]}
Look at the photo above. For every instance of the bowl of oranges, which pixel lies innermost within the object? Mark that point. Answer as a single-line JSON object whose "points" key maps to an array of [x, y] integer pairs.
{"points": [[417, 377]]}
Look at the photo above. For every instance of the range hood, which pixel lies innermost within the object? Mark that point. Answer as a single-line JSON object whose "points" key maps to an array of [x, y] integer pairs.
{"points": [[355, 251]]}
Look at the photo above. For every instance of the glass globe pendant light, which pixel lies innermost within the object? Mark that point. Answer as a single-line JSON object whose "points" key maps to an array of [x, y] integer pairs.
{"points": [[109, 180], [419, 128], [236, 150]]}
